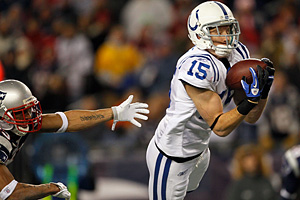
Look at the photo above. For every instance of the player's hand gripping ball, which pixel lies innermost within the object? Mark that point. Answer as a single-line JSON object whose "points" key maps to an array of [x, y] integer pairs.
{"points": [[240, 69]]}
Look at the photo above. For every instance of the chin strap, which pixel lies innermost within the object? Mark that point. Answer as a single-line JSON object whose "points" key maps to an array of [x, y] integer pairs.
{"points": [[222, 50], [6, 126], [11, 127]]}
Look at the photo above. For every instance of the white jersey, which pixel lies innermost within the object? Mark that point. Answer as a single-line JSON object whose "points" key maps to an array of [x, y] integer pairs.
{"points": [[182, 132]]}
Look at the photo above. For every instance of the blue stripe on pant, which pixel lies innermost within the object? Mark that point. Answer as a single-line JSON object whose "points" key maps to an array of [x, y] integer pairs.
{"points": [[156, 172], [164, 178]]}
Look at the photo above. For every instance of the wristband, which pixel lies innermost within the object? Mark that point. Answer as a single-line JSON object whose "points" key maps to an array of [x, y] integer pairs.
{"points": [[8, 189], [115, 112], [65, 123], [246, 106]]}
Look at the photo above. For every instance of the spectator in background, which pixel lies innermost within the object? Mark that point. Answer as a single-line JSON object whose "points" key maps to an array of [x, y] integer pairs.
{"points": [[154, 81], [24, 58], [75, 58], [280, 37], [271, 45], [49, 87], [137, 14], [281, 128], [251, 175], [16, 51], [15, 17], [244, 12], [292, 67], [155, 75], [7, 36], [116, 62], [180, 13], [96, 24], [283, 25]]}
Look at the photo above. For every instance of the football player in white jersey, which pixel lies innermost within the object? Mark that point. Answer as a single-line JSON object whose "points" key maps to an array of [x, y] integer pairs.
{"points": [[20, 114], [178, 154]]}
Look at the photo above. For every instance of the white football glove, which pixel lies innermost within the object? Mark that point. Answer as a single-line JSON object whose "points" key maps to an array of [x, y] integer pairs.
{"points": [[127, 111], [63, 193]]}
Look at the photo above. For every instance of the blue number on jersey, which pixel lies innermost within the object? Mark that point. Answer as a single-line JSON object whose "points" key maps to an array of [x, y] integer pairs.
{"points": [[201, 69]]}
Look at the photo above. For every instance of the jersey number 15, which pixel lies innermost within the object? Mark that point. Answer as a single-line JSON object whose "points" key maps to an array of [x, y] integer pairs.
{"points": [[200, 68]]}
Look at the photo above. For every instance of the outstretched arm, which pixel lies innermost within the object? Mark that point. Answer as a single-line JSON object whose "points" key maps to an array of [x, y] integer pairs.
{"points": [[24, 191], [77, 120]]}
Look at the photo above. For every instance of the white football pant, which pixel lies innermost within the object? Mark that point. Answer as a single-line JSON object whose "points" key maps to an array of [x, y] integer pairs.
{"points": [[170, 180]]}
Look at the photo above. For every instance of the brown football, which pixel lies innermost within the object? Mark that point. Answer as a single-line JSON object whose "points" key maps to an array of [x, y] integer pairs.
{"points": [[240, 69]]}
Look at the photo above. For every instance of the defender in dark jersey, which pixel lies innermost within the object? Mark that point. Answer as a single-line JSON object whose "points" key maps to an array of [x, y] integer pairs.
{"points": [[290, 173], [21, 113]]}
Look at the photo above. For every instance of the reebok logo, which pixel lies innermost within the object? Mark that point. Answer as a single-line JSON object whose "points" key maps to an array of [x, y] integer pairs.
{"points": [[182, 173]]}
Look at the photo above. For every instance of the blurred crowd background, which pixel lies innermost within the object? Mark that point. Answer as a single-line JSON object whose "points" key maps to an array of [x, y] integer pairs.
{"points": [[88, 54]]}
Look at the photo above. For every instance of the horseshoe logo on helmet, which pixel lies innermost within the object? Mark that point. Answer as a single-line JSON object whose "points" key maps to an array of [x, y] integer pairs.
{"points": [[196, 26]]}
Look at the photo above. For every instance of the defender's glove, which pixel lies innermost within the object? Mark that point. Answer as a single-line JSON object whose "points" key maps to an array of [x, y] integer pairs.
{"points": [[253, 90], [127, 111], [271, 70], [63, 193]]}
